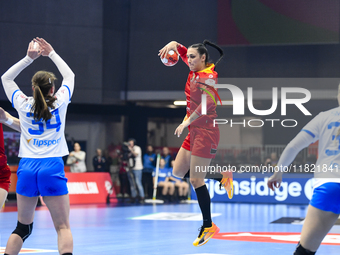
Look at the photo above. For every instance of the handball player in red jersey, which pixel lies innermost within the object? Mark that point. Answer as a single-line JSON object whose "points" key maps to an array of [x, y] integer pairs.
{"points": [[5, 172], [200, 146]]}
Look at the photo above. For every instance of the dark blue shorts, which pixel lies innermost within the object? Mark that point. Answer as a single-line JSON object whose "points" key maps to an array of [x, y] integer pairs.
{"points": [[45, 177], [327, 197]]}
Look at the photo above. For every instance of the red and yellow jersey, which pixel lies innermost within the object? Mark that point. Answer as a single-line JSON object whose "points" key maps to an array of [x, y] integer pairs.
{"points": [[198, 83], [3, 158]]}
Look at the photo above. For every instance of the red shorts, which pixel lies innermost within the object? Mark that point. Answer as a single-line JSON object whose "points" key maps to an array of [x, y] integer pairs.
{"points": [[5, 178], [202, 142]]}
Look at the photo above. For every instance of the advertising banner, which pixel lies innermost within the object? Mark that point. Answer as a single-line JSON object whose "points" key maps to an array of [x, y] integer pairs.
{"points": [[89, 188], [252, 188]]}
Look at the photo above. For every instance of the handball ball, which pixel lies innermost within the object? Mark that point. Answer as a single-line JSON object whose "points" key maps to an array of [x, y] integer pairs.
{"points": [[171, 58], [35, 45]]}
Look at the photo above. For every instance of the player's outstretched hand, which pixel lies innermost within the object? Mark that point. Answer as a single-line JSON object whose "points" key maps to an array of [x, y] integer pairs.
{"points": [[181, 127], [45, 47], [33, 51], [170, 46], [275, 181]]}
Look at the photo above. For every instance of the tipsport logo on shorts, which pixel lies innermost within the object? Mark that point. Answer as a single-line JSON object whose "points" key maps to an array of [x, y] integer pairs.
{"points": [[261, 98], [43, 143]]}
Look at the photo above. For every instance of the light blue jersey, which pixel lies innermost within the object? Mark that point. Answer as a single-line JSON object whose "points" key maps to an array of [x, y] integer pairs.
{"points": [[325, 127]]}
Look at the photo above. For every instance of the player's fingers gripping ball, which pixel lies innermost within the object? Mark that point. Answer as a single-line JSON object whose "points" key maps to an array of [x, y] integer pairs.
{"points": [[170, 59]]}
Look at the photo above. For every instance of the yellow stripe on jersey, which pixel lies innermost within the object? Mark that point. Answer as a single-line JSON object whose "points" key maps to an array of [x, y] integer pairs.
{"points": [[209, 69]]}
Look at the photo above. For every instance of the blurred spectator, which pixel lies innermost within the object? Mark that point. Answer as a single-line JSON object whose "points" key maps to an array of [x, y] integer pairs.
{"points": [[109, 161], [167, 157], [115, 153], [123, 179], [149, 163], [99, 162], [76, 160], [126, 161], [168, 188], [136, 179], [272, 160], [182, 185]]}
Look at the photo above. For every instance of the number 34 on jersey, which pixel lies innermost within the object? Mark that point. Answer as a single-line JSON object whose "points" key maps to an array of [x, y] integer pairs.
{"points": [[53, 123]]}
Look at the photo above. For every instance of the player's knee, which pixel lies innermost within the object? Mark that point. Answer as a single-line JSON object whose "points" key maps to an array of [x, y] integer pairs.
{"points": [[196, 182], [62, 226], [178, 173], [23, 230], [300, 250]]}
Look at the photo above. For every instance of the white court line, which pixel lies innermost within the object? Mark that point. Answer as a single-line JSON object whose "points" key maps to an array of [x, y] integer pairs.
{"points": [[29, 250], [206, 254], [173, 216]]}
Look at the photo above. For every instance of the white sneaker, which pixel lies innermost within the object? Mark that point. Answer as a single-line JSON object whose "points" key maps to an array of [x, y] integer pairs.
{"points": [[119, 195], [126, 195]]}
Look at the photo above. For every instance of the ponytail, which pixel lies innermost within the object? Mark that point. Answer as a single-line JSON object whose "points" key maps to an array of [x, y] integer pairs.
{"points": [[40, 108], [206, 42], [42, 83], [201, 48]]}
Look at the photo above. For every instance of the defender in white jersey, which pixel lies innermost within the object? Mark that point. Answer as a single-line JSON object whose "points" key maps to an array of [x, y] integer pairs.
{"points": [[42, 144], [324, 207]]}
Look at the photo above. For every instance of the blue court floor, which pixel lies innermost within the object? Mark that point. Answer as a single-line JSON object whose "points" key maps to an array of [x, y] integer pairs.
{"points": [[170, 229]]}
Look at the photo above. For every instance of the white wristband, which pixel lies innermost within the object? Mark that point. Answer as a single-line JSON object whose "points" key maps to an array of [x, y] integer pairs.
{"points": [[9, 121]]}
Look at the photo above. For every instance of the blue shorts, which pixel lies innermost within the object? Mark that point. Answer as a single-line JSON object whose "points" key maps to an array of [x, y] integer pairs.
{"points": [[45, 177], [327, 197]]}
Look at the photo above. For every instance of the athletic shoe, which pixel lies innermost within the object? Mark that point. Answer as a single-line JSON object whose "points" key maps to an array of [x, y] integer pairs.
{"points": [[119, 195], [227, 183], [141, 200], [205, 235]]}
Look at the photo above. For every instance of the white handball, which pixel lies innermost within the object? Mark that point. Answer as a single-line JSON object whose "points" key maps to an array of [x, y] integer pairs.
{"points": [[35, 45], [170, 59]]}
